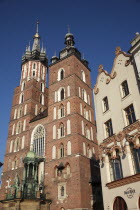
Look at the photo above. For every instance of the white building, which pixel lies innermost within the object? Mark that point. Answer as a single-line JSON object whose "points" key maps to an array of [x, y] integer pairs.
{"points": [[117, 107]]}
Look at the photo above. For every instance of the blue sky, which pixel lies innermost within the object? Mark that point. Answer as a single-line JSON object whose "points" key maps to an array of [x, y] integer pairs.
{"points": [[99, 26]]}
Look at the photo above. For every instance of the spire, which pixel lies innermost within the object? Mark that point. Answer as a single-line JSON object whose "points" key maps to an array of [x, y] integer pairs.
{"points": [[36, 44], [69, 39]]}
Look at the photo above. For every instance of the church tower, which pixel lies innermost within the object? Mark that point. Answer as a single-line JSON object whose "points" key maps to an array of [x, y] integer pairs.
{"points": [[30, 99], [52, 131]]}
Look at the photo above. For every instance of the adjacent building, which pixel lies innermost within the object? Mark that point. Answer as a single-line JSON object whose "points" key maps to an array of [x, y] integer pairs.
{"points": [[117, 107]]}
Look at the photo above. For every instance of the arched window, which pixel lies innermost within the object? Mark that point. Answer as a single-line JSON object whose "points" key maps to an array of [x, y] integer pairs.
{"points": [[68, 169], [18, 128], [23, 86], [41, 100], [20, 110], [69, 148], [38, 140], [54, 152], [34, 66], [62, 74], [116, 167], [62, 111], [83, 77], [135, 154], [16, 145], [62, 132], [119, 203], [87, 133], [62, 191], [62, 94], [21, 98], [42, 87], [61, 150]]}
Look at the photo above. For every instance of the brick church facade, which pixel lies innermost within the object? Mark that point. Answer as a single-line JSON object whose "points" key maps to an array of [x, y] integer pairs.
{"points": [[51, 150]]}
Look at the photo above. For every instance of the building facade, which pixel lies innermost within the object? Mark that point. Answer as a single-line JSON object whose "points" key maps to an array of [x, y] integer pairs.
{"points": [[51, 148], [117, 102]]}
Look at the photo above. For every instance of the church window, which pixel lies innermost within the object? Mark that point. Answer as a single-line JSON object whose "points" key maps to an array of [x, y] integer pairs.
{"points": [[16, 145], [62, 191], [105, 104], [84, 148], [54, 152], [36, 109], [54, 132], [83, 77], [15, 114], [68, 107], [79, 92], [38, 140], [124, 89], [42, 99], [33, 73], [13, 129], [42, 87], [24, 125], [81, 109], [62, 132], [90, 115], [55, 96], [83, 128], [62, 94], [69, 148], [11, 146], [23, 142], [21, 98], [18, 128], [88, 100], [87, 133], [91, 129], [135, 154], [61, 74], [61, 151], [68, 91], [62, 110], [130, 114], [68, 127], [108, 128], [19, 112], [22, 86], [25, 109], [34, 66], [54, 113]]}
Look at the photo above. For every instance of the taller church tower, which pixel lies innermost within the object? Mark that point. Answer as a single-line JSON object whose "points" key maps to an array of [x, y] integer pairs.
{"points": [[30, 98], [57, 125]]}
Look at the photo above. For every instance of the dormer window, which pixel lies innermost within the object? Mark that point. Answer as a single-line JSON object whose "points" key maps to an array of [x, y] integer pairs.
{"points": [[105, 104], [124, 89]]}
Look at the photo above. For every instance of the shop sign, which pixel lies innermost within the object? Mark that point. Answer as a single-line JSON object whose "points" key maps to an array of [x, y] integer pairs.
{"points": [[129, 192]]}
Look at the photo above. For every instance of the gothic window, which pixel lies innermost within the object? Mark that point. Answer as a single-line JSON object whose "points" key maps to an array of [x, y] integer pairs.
{"points": [[21, 98], [68, 127], [116, 167], [19, 112], [11, 146], [85, 112], [54, 113], [61, 151], [62, 94], [87, 133], [13, 129], [25, 109], [62, 132], [23, 142], [68, 169], [68, 91], [124, 89], [62, 191], [81, 109], [108, 128], [23, 86], [54, 131], [69, 148], [130, 114], [42, 87], [41, 100], [119, 203], [83, 77], [105, 104], [38, 140], [135, 154], [18, 128], [61, 75], [34, 66], [84, 148], [68, 107], [54, 152], [16, 145], [62, 112], [15, 114]]}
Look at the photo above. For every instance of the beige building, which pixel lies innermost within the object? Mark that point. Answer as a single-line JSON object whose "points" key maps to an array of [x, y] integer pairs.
{"points": [[117, 108]]}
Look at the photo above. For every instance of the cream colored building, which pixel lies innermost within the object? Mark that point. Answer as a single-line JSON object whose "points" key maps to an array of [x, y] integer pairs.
{"points": [[117, 107]]}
